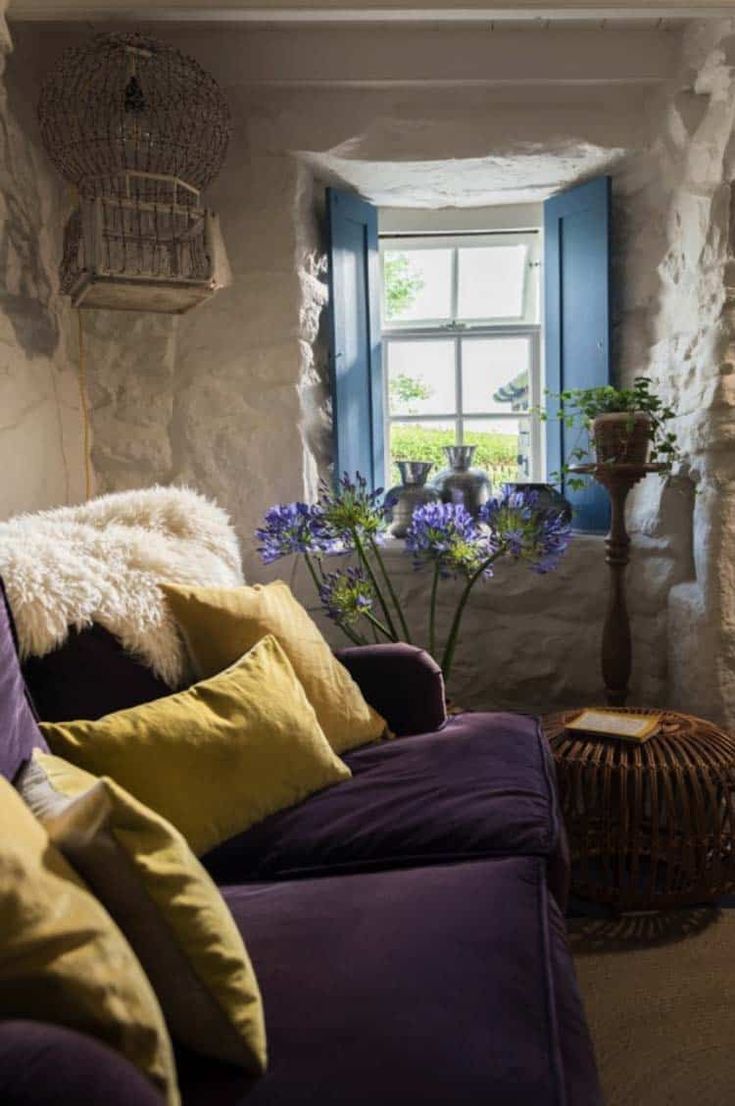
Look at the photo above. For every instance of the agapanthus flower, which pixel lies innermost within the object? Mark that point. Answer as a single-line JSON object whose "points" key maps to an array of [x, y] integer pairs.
{"points": [[346, 595], [445, 534], [527, 532], [294, 528], [353, 509]]}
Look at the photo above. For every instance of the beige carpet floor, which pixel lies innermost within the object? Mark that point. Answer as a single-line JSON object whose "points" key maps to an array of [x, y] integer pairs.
{"points": [[660, 998]]}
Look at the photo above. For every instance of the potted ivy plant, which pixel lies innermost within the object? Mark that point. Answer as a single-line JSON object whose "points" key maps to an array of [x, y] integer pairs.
{"points": [[625, 426]]}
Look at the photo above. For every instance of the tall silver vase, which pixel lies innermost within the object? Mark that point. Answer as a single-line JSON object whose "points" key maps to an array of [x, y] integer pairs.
{"points": [[460, 483], [406, 497]]}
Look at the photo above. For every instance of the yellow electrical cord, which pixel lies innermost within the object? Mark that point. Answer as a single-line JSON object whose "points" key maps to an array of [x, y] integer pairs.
{"points": [[84, 404]]}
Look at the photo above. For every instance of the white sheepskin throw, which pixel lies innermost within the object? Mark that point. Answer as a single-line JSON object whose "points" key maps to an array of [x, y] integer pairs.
{"points": [[102, 562]]}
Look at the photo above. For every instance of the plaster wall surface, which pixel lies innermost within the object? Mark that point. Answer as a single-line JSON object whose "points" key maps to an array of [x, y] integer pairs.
{"points": [[41, 457], [234, 399]]}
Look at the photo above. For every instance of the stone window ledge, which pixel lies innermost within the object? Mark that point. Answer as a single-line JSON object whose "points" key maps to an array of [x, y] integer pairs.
{"points": [[395, 547]]}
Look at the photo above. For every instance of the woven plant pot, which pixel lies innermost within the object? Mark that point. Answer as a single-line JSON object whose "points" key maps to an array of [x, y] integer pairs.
{"points": [[622, 438]]}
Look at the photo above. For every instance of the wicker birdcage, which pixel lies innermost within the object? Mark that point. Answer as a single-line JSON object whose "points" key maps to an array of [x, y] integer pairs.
{"points": [[139, 130]]}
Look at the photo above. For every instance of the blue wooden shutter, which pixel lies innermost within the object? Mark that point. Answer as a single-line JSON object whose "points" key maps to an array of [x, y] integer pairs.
{"points": [[354, 336], [577, 321]]}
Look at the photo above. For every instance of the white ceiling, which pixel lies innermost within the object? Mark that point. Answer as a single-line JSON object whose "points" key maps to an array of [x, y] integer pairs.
{"points": [[650, 12]]}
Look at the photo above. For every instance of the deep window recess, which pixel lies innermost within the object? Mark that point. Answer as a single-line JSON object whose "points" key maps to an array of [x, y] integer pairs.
{"points": [[461, 350], [461, 337]]}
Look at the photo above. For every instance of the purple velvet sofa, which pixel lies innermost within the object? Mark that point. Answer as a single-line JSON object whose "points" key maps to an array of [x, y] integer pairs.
{"points": [[406, 925]]}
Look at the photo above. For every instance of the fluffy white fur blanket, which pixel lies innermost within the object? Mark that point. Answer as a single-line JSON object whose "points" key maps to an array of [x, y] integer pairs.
{"points": [[102, 562]]}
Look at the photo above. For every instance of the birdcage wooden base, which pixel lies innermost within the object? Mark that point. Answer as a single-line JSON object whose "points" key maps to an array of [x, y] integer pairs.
{"points": [[650, 826], [124, 294]]}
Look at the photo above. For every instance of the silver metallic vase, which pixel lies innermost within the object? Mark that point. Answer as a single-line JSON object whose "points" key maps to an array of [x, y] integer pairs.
{"points": [[460, 483], [406, 497]]}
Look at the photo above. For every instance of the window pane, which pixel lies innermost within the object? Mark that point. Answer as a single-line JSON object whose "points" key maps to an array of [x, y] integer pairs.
{"points": [[421, 378], [420, 441], [503, 447], [417, 284], [495, 374], [492, 282]]}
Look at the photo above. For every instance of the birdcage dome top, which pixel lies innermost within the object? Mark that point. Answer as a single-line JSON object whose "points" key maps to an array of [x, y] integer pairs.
{"points": [[124, 102]]}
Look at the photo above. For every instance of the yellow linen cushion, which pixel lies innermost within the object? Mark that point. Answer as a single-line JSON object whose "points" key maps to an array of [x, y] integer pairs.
{"points": [[219, 624], [216, 758], [63, 959], [169, 909]]}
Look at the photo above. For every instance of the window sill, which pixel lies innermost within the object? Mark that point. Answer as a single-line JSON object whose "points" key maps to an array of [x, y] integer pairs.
{"points": [[396, 547]]}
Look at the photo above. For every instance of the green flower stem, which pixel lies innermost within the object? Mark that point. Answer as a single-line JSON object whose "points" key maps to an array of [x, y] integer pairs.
{"points": [[391, 590], [378, 625], [432, 611], [365, 561], [312, 572], [451, 645], [356, 639], [353, 635]]}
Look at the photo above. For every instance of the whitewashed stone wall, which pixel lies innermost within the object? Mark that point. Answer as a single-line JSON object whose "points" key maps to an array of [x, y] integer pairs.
{"points": [[41, 457], [676, 323], [233, 397]]}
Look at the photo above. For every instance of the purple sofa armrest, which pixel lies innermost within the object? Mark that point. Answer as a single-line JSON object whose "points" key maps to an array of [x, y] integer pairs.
{"points": [[48, 1065], [402, 683]]}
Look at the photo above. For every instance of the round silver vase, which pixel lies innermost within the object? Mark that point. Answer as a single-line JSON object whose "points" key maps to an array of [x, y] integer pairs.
{"points": [[406, 497], [460, 483]]}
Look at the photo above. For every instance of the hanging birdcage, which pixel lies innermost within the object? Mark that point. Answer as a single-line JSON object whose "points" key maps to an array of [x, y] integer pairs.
{"points": [[139, 129]]}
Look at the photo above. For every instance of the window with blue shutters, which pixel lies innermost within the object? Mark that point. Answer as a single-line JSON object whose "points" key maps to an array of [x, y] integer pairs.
{"points": [[355, 362], [577, 323], [443, 334]]}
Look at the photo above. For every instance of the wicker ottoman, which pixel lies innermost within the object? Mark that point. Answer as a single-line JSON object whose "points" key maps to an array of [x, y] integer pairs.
{"points": [[650, 826]]}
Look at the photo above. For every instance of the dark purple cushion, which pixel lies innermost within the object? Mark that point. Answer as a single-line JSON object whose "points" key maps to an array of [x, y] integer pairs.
{"points": [[89, 676], [422, 987], [482, 786], [19, 732], [47, 1065]]}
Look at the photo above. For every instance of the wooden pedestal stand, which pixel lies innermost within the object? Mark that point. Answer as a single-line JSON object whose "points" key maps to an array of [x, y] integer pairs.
{"points": [[618, 479]]}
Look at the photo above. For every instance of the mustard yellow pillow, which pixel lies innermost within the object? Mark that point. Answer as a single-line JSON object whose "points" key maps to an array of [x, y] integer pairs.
{"points": [[147, 877], [216, 758], [219, 624], [63, 959]]}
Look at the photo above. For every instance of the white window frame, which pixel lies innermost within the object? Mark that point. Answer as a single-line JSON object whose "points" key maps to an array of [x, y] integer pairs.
{"points": [[430, 330]]}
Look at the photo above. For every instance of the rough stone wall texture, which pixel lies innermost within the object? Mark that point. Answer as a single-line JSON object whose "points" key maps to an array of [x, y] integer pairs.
{"points": [[233, 397], [41, 458], [675, 323]]}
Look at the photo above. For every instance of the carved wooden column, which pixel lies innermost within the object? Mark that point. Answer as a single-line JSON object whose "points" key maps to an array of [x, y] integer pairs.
{"points": [[616, 644]]}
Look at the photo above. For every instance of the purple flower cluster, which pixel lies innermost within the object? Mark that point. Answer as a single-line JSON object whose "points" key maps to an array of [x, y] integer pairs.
{"points": [[526, 532], [332, 525], [352, 510], [294, 528], [446, 535], [346, 595], [351, 519]]}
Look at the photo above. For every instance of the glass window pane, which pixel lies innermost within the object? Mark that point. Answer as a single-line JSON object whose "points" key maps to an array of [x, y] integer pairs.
{"points": [[491, 282], [503, 447], [417, 284], [495, 374], [420, 441], [421, 377]]}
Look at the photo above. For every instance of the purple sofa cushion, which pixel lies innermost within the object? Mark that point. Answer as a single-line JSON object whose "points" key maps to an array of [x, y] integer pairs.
{"points": [[47, 1065], [89, 676], [482, 786], [19, 732], [420, 987]]}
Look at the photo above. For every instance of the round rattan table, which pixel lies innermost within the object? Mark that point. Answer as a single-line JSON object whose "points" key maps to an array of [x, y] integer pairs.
{"points": [[651, 825]]}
